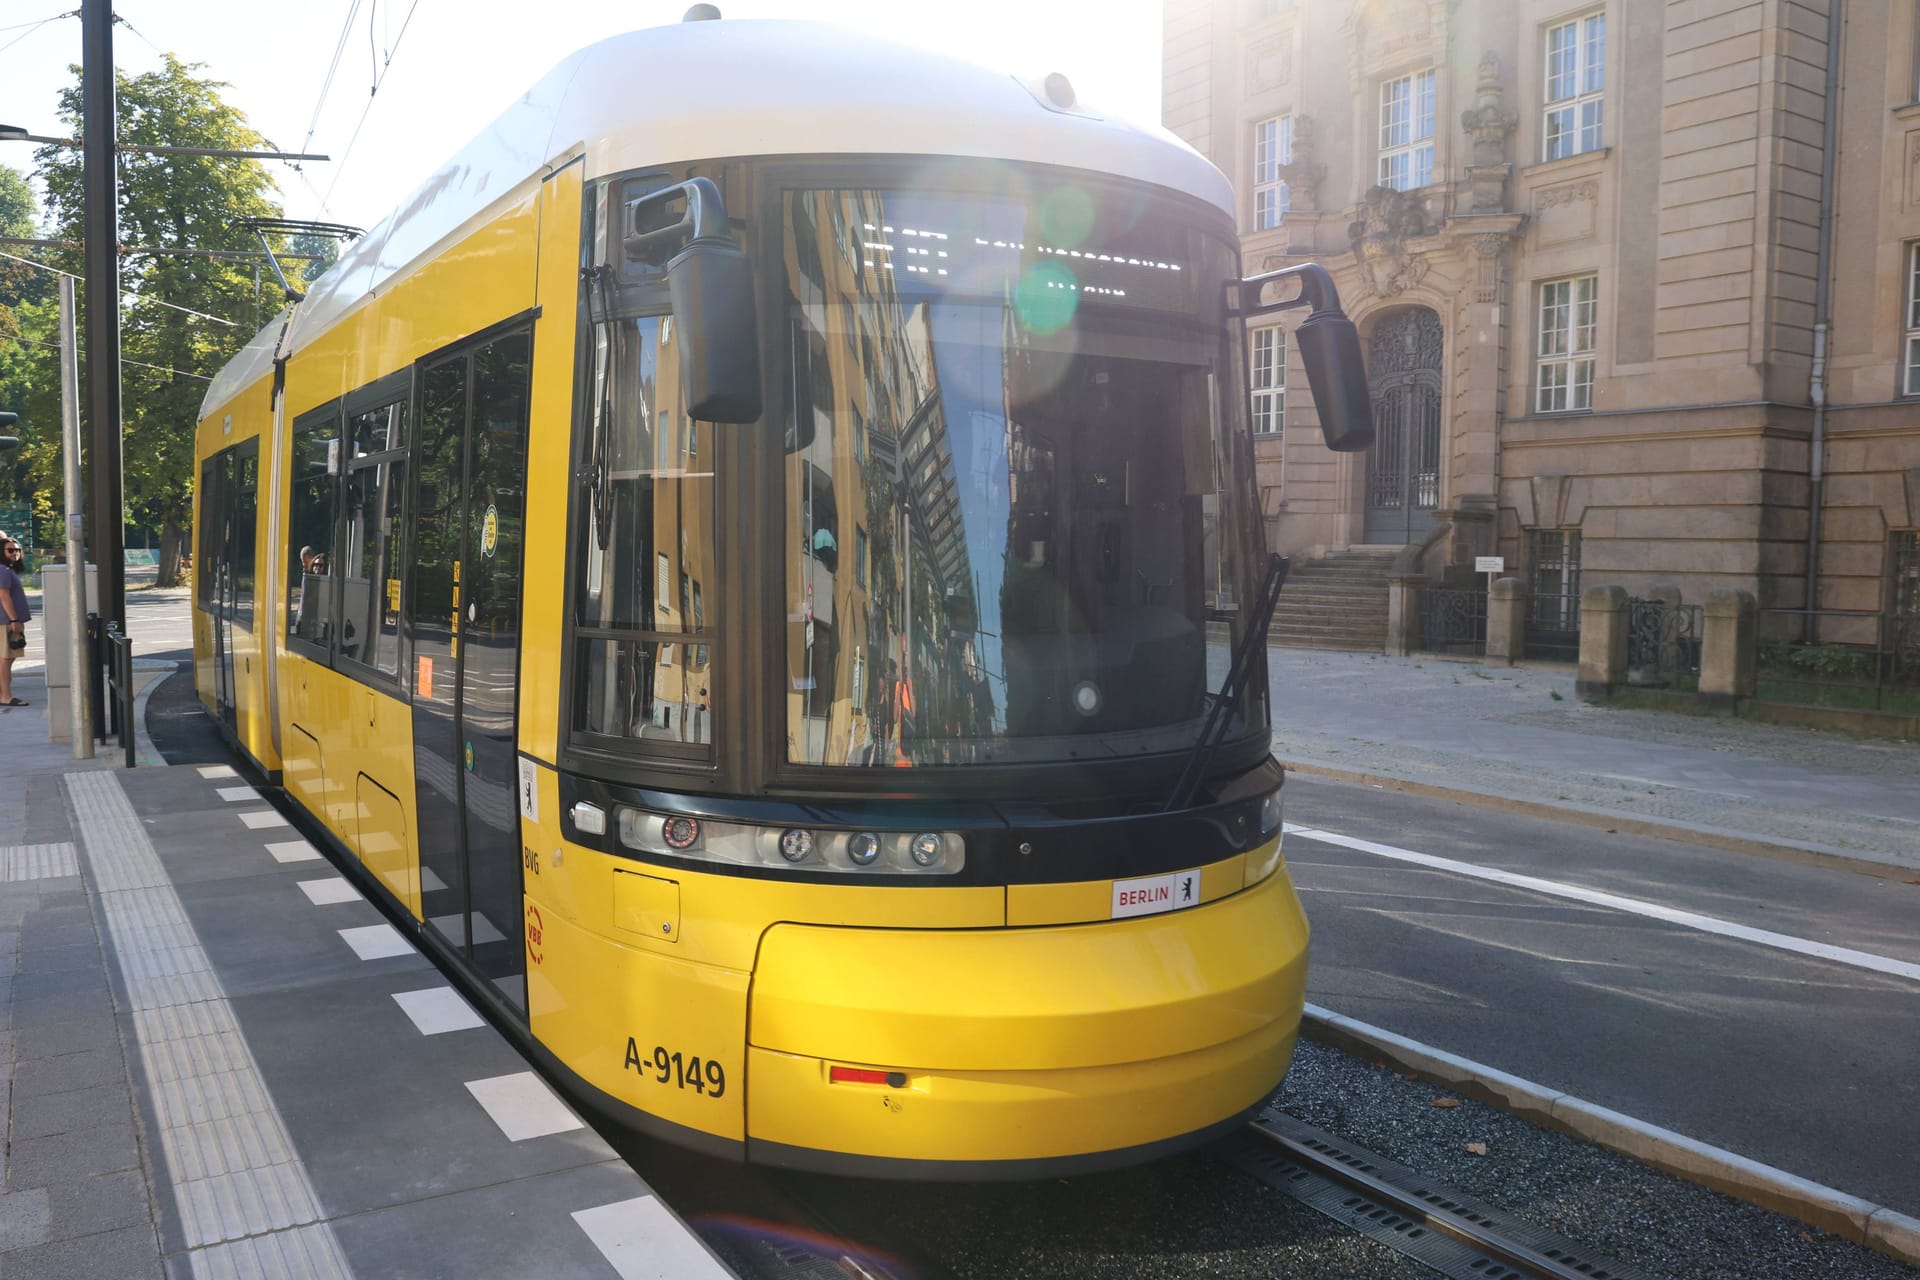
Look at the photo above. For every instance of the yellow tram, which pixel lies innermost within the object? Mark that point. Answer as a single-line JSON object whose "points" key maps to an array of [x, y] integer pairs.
{"points": [[744, 558]]}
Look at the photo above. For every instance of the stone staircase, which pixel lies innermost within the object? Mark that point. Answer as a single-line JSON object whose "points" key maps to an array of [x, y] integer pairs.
{"points": [[1336, 603]]}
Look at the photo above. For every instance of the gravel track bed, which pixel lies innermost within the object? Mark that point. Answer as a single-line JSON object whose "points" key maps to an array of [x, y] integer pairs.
{"points": [[1586, 1193], [1192, 1216]]}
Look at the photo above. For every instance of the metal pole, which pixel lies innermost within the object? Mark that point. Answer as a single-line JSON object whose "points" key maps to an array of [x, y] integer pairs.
{"points": [[79, 718], [103, 302]]}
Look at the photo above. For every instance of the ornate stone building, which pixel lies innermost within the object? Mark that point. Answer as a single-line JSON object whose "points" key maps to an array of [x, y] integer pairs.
{"points": [[1584, 244]]}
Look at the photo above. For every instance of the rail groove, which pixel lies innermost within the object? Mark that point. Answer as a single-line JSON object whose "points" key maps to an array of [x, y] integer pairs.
{"points": [[1407, 1211]]}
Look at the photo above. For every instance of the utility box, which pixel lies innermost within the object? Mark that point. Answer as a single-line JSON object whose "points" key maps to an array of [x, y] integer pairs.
{"points": [[53, 621]]}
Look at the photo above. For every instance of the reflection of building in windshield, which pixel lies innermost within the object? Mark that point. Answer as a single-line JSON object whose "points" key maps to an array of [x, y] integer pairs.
{"points": [[994, 488], [881, 650]]}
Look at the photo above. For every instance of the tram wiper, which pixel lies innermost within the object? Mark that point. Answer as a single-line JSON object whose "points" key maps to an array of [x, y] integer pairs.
{"points": [[599, 465], [1253, 642]]}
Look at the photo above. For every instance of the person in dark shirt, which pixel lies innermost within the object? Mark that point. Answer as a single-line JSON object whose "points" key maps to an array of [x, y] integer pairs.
{"points": [[13, 602]]}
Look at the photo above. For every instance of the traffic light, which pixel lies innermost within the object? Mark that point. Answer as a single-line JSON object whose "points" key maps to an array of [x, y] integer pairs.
{"points": [[7, 420]]}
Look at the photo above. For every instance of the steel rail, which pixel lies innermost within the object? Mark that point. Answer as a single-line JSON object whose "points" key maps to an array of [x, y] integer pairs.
{"points": [[1441, 1214]]}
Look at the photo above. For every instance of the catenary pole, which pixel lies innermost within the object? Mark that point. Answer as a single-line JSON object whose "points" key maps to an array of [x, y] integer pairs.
{"points": [[79, 716], [107, 526]]}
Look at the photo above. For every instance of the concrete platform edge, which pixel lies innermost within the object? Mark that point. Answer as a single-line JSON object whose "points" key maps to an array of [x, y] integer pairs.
{"points": [[1850, 1217], [1587, 815]]}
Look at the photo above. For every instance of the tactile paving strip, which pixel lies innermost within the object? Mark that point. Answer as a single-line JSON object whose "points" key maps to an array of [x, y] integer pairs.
{"points": [[37, 861], [245, 1201]]}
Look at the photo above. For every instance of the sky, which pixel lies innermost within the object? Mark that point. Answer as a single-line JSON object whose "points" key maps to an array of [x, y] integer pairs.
{"points": [[445, 67]]}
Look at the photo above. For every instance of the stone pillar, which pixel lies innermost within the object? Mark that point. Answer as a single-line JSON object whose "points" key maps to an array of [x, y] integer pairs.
{"points": [[1728, 648], [1603, 643], [1507, 621], [1403, 613]]}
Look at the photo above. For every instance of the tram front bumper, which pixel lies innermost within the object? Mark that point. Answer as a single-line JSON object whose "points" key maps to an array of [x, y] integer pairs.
{"points": [[1021, 1052]]}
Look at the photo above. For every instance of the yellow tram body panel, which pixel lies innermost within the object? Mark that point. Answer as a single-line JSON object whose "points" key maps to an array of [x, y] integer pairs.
{"points": [[1017, 1043]]}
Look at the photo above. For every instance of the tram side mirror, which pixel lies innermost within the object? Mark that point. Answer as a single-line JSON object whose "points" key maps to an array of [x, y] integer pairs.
{"points": [[1330, 349], [710, 282]]}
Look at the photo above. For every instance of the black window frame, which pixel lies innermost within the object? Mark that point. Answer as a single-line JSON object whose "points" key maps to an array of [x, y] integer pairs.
{"points": [[399, 387], [314, 651], [767, 770], [633, 291]]}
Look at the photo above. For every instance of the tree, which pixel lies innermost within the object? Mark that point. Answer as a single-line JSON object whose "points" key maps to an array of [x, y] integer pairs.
{"points": [[174, 201]]}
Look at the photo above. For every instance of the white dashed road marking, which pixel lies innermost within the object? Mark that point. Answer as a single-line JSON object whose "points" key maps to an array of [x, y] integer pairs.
{"points": [[217, 771], [1613, 901], [644, 1241], [523, 1106], [437, 1010], [293, 851], [261, 819], [376, 942], [322, 893], [234, 794]]}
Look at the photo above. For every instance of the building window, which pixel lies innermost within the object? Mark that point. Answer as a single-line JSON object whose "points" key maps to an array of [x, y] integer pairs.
{"points": [[1268, 364], [1564, 378], [1406, 132], [1272, 148], [1576, 77], [1910, 377]]}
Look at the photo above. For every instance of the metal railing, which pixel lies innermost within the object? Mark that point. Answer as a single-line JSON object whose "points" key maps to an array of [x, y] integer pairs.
{"points": [[120, 679], [1663, 642], [1453, 620], [1553, 625], [110, 671], [1840, 658]]}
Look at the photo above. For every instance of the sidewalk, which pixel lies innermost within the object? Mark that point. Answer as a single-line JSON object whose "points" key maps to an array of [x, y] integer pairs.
{"points": [[1517, 737], [217, 1058]]}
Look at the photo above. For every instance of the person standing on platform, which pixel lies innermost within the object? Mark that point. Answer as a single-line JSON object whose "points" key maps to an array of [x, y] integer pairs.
{"points": [[13, 601]]}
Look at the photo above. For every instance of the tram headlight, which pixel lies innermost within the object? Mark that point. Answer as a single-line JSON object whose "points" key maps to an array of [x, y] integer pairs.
{"points": [[1272, 814], [808, 849]]}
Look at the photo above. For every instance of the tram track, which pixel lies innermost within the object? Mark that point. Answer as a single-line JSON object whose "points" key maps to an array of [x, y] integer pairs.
{"points": [[1453, 1233]]}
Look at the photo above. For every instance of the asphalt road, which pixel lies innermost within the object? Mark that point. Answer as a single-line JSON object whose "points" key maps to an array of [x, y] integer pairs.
{"points": [[1798, 1060]]}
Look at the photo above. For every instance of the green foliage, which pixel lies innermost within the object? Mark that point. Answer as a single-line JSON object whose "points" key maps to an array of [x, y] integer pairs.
{"points": [[174, 201], [1831, 661]]}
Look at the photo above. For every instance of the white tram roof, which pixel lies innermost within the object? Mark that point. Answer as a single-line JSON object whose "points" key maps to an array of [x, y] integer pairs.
{"points": [[717, 90]]}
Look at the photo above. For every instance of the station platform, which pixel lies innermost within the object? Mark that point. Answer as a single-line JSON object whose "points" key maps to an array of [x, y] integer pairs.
{"points": [[218, 1059]]}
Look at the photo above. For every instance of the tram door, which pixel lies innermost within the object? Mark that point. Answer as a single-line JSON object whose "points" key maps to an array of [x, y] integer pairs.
{"points": [[465, 626]]}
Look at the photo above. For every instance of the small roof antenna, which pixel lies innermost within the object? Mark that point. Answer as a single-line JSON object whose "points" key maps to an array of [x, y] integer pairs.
{"points": [[702, 13]]}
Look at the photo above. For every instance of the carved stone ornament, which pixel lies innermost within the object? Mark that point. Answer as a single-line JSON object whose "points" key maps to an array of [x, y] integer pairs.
{"points": [[1269, 65], [1384, 221], [1489, 122], [1301, 174]]}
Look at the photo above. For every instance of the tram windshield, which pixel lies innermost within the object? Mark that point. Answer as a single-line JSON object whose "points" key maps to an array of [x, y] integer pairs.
{"points": [[1013, 528]]}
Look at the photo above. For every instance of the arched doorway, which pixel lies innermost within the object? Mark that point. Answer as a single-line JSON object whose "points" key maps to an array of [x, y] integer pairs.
{"points": [[1403, 467]]}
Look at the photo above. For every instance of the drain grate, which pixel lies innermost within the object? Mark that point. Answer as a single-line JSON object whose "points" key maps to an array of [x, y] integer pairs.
{"points": [[1409, 1212]]}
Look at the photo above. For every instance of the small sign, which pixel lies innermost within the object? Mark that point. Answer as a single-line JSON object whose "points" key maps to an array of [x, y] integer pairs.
{"points": [[1154, 894], [422, 676], [1489, 564], [529, 790], [490, 532]]}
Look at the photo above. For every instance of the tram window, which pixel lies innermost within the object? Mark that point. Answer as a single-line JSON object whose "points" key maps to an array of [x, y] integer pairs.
{"points": [[244, 495], [646, 546], [369, 564], [312, 504], [210, 558], [1023, 485]]}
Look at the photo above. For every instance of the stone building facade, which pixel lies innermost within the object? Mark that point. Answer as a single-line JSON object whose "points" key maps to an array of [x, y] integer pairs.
{"points": [[1584, 246]]}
